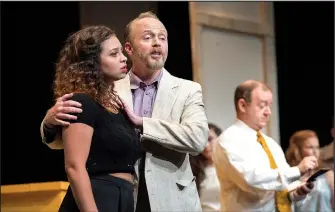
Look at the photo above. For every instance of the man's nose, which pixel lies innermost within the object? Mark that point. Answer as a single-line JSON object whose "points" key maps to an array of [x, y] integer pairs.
{"points": [[268, 111], [156, 42]]}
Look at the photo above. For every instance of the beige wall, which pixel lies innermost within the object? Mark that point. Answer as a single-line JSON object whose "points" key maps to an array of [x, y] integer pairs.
{"points": [[232, 42]]}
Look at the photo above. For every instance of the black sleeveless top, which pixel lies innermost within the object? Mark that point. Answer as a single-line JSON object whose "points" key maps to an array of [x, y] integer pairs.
{"points": [[115, 145]]}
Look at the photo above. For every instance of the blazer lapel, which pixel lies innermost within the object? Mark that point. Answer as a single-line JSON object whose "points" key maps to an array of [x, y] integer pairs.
{"points": [[122, 88], [166, 96]]}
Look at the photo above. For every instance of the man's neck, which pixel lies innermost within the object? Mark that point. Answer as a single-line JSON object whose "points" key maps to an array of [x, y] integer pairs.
{"points": [[245, 121], [147, 76]]}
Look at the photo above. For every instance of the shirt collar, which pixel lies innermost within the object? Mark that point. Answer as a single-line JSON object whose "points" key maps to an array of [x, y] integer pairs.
{"points": [[135, 81], [245, 127]]}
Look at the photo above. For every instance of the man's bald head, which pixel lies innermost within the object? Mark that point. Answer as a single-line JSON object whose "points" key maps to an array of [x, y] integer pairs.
{"points": [[128, 30], [244, 90]]}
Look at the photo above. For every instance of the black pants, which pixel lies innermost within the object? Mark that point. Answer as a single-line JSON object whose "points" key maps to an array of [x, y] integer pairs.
{"points": [[142, 204], [110, 194]]}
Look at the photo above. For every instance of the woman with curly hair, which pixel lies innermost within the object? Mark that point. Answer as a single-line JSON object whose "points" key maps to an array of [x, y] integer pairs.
{"points": [[205, 174], [101, 145], [305, 143]]}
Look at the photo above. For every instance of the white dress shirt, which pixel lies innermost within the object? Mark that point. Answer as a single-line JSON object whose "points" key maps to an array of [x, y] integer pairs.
{"points": [[247, 181], [210, 190]]}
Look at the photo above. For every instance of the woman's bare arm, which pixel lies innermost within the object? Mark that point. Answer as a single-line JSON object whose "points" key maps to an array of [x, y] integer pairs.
{"points": [[77, 139]]}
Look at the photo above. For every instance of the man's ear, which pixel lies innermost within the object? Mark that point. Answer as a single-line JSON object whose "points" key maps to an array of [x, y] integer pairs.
{"points": [[128, 48], [242, 104]]}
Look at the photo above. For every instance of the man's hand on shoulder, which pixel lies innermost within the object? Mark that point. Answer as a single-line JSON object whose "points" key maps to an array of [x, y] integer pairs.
{"points": [[135, 119], [59, 115]]}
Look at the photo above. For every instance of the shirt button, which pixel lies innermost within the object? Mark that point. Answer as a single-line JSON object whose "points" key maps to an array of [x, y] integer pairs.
{"points": [[145, 112]]}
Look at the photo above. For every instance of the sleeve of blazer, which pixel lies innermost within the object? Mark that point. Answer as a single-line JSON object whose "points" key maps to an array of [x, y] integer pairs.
{"points": [[56, 141], [190, 135]]}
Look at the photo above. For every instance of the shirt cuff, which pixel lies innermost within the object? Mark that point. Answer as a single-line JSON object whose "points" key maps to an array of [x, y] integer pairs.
{"points": [[294, 185], [293, 173], [47, 129]]}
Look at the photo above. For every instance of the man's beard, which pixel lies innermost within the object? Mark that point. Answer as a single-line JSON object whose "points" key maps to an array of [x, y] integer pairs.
{"points": [[152, 64], [155, 65]]}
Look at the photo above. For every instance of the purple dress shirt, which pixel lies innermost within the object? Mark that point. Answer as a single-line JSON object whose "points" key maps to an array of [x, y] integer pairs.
{"points": [[143, 100], [144, 95]]}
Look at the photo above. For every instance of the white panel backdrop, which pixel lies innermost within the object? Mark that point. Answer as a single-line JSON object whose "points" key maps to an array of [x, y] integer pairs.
{"points": [[228, 59]]}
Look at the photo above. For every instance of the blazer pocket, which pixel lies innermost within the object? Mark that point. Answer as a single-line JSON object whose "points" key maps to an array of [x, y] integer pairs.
{"points": [[185, 181]]}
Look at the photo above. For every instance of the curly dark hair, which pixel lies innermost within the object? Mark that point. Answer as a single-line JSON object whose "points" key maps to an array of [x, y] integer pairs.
{"points": [[78, 67]]}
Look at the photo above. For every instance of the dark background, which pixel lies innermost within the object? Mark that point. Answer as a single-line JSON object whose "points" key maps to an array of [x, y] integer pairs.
{"points": [[33, 33], [305, 67]]}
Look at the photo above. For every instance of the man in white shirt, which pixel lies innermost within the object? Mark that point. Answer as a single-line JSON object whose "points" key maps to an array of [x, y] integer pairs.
{"points": [[252, 169]]}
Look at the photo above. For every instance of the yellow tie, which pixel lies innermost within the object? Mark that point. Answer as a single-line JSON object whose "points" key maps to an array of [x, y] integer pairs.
{"points": [[283, 202]]}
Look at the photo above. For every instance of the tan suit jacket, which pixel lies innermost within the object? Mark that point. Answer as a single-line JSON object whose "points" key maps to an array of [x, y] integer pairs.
{"points": [[178, 126]]}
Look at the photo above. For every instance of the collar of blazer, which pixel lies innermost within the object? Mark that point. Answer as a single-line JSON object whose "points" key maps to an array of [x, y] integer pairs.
{"points": [[165, 97]]}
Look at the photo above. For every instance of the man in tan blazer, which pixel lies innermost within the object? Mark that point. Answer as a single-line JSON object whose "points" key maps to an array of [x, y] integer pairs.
{"points": [[174, 124]]}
